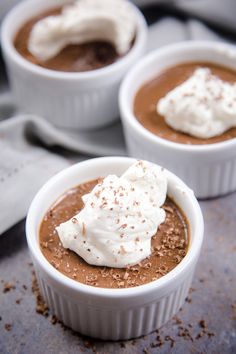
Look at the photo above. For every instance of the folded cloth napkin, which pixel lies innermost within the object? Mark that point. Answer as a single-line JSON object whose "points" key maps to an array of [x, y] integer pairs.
{"points": [[27, 143], [24, 166], [29, 155]]}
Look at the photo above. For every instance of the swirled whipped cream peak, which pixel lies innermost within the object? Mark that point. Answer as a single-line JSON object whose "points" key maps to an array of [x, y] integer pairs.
{"points": [[119, 218], [84, 21], [203, 106]]}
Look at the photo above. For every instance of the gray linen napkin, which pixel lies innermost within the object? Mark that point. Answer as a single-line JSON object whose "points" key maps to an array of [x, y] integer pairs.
{"points": [[24, 167], [27, 143], [28, 146]]}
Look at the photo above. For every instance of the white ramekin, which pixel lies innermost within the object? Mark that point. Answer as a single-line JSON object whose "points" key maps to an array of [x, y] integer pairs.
{"points": [[83, 100], [112, 313], [210, 170]]}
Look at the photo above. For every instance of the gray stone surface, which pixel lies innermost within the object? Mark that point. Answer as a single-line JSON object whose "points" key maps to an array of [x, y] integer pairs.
{"points": [[212, 299]]}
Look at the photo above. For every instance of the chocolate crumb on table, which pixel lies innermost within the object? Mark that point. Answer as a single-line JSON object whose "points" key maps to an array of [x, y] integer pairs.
{"points": [[233, 307], [41, 306], [171, 340], [54, 320], [204, 330], [8, 327], [158, 343], [8, 287], [202, 324]]}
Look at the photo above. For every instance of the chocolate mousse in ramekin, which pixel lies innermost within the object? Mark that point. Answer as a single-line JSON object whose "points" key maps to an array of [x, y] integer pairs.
{"points": [[201, 150], [71, 82], [96, 275]]}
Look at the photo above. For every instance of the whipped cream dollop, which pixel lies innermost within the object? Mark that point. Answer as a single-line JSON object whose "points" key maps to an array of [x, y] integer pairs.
{"points": [[203, 106], [84, 21], [119, 218]]}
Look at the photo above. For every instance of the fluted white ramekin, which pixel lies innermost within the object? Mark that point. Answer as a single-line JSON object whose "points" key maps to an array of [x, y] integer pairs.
{"points": [[83, 100], [112, 313], [210, 170]]}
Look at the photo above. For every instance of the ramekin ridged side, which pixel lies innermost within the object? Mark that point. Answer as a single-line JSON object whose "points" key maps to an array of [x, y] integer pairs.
{"points": [[84, 100], [114, 323], [112, 314], [210, 170]]}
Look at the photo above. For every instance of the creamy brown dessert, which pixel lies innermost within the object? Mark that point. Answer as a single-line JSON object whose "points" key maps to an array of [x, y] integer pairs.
{"points": [[149, 94], [169, 246], [73, 58]]}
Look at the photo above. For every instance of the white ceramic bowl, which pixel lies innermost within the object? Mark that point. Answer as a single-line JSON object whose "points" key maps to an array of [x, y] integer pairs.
{"points": [[84, 100], [112, 313], [210, 170]]}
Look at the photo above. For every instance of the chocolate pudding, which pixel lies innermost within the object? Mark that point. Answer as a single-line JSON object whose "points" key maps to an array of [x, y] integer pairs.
{"points": [[150, 93], [169, 246], [73, 58]]}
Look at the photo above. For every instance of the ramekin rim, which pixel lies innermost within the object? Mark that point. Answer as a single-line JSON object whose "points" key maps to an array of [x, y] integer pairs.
{"points": [[129, 116], [18, 59], [63, 280]]}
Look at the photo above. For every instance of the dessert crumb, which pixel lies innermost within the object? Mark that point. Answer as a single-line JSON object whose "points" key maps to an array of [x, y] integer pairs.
{"points": [[54, 320], [41, 307], [171, 340], [90, 345], [8, 287], [8, 327], [202, 324]]}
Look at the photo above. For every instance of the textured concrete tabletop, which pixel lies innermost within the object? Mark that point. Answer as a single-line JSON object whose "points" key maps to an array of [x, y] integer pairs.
{"points": [[206, 323]]}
